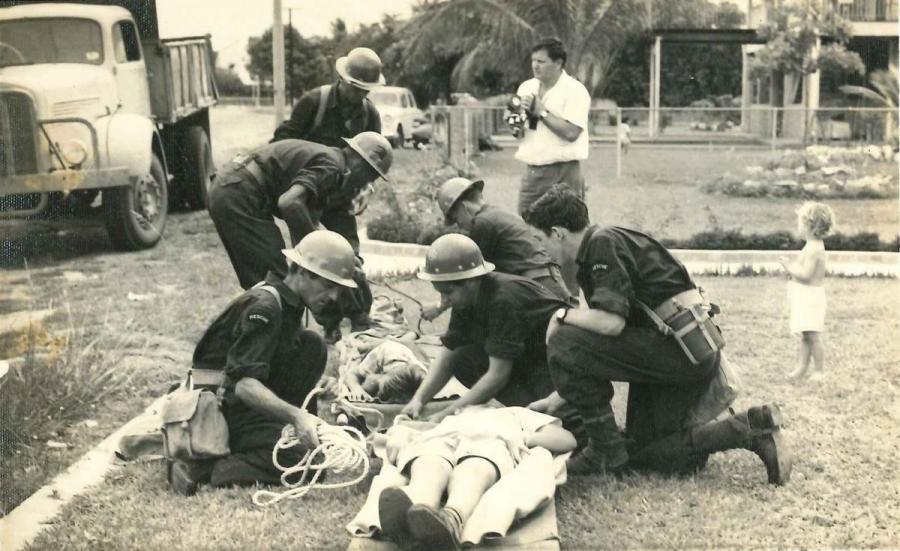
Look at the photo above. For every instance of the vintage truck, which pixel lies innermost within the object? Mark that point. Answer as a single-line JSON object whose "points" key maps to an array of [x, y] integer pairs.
{"points": [[98, 115]]}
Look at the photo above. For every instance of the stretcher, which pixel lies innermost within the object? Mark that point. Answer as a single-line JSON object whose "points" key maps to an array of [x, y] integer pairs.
{"points": [[537, 532]]}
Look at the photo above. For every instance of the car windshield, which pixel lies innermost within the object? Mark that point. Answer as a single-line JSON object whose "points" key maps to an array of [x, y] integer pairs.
{"points": [[50, 40], [388, 99]]}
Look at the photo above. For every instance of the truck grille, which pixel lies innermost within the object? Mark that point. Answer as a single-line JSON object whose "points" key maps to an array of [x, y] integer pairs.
{"points": [[18, 146]]}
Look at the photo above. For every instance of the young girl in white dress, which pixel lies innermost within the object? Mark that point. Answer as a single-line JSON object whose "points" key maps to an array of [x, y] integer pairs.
{"points": [[806, 293]]}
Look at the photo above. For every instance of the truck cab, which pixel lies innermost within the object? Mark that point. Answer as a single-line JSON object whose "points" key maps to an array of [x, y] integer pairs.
{"points": [[88, 107]]}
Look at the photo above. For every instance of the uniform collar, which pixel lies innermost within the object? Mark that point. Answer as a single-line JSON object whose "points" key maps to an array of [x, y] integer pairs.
{"points": [[288, 296], [582, 248]]}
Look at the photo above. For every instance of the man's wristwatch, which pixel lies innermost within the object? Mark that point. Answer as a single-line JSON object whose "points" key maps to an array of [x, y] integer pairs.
{"points": [[561, 315], [543, 114]]}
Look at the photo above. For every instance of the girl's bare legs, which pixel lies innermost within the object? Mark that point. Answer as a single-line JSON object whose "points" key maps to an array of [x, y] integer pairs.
{"points": [[817, 351], [805, 355], [428, 478], [470, 480]]}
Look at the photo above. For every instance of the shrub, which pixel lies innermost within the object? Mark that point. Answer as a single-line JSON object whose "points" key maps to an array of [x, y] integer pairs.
{"points": [[394, 228], [730, 240]]}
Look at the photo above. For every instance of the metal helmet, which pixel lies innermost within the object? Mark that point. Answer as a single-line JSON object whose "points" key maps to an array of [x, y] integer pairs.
{"points": [[361, 68], [375, 150], [451, 191], [326, 254], [453, 257]]}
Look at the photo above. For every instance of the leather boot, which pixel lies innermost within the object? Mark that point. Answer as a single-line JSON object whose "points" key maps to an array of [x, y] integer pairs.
{"points": [[605, 450], [185, 477], [758, 430]]}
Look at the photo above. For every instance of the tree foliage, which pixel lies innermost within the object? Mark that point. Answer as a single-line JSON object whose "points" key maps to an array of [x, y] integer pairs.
{"points": [[791, 33], [305, 60], [494, 36]]}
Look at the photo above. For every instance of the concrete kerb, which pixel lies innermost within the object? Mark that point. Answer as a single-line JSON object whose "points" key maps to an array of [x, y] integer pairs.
{"points": [[698, 262], [23, 524]]}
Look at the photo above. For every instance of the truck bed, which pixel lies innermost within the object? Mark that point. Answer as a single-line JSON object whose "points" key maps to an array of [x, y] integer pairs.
{"points": [[181, 77]]}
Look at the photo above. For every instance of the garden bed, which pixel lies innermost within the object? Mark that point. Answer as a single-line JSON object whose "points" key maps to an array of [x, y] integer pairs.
{"points": [[818, 172]]}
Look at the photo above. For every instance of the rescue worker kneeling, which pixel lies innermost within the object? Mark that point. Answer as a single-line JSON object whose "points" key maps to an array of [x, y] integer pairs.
{"points": [[494, 344], [270, 364], [615, 339]]}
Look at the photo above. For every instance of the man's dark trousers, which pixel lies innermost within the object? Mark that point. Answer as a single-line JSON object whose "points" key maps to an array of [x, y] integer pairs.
{"points": [[253, 435], [663, 386], [243, 215]]}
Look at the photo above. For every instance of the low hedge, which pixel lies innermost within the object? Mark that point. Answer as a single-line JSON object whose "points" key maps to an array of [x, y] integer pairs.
{"points": [[729, 240], [405, 229]]}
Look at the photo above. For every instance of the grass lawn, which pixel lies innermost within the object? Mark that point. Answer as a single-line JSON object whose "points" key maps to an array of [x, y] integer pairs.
{"points": [[844, 431]]}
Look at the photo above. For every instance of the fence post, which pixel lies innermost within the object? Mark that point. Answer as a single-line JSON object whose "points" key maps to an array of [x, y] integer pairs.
{"points": [[618, 142], [774, 126]]}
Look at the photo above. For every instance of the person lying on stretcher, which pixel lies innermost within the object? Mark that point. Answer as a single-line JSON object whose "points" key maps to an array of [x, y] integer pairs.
{"points": [[390, 373], [464, 455]]}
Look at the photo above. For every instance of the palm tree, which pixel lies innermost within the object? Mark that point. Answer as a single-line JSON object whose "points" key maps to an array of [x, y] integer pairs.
{"points": [[497, 34], [883, 93]]}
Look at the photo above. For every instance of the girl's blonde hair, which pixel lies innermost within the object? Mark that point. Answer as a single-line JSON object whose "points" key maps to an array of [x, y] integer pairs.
{"points": [[818, 218]]}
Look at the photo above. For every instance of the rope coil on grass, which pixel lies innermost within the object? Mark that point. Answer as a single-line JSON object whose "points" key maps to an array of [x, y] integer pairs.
{"points": [[341, 449]]}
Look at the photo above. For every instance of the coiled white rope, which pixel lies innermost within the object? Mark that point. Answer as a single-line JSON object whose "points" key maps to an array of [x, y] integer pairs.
{"points": [[341, 449]]}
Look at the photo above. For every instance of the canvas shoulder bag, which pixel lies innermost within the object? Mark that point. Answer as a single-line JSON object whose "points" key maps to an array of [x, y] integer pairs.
{"points": [[194, 427]]}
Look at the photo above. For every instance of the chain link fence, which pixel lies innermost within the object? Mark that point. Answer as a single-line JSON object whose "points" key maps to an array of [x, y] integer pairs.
{"points": [[461, 131]]}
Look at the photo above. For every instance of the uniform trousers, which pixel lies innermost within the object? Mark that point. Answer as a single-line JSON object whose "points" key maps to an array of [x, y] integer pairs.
{"points": [[243, 216], [294, 372], [663, 386]]}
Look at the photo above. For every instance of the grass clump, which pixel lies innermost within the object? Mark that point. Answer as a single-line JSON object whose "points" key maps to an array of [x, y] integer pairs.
{"points": [[56, 382]]}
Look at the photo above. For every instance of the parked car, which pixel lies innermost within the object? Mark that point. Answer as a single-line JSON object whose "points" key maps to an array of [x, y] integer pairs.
{"points": [[399, 113], [422, 132]]}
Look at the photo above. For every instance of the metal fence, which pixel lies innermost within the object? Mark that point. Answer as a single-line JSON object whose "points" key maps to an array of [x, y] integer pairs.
{"points": [[459, 131]]}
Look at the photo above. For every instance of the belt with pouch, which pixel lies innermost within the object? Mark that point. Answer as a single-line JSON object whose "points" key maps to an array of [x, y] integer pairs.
{"points": [[249, 167], [682, 301]]}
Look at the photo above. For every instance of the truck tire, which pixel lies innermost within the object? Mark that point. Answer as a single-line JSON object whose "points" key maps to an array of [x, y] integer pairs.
{"points": [[198, 167], [136, 215]]}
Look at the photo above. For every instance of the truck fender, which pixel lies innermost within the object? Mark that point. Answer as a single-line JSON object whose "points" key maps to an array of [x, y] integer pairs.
{"points": [[129, 140]]}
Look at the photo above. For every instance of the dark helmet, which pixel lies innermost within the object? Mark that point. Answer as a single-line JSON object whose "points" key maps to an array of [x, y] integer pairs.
{"points": [[374, 149], [361, 68], [453, 257], [452, 190], [326, 254]]}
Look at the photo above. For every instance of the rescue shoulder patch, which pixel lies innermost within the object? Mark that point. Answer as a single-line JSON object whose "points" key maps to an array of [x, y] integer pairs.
{"points": [[599, 267], [258, 317]]}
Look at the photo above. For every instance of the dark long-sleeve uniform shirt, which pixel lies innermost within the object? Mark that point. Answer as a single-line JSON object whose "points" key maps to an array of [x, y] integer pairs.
{"points": [[509, 318], [507, 241], [320, 169], [340, 120], [618, 265], [253, 337]]}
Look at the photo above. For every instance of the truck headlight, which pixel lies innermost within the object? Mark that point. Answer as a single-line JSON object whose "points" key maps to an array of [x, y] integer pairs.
{"points": [[74, 152]]}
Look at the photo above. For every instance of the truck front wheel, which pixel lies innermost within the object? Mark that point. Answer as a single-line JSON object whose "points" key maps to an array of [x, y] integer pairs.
{"points": [[198, 167], [136, 215]]}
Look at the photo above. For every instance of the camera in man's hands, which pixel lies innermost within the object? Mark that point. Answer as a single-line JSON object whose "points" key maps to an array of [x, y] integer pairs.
{"points": [[516, 116]]}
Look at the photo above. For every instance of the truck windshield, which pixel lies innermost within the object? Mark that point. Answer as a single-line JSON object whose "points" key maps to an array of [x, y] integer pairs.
{"points": [[50, 40]]}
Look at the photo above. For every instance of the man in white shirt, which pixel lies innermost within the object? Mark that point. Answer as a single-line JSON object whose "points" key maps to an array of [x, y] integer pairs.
{"points": [[557, 138]]}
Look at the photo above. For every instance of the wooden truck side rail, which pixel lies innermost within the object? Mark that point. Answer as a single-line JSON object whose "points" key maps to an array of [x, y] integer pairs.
{"points": [[181, 77]]}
